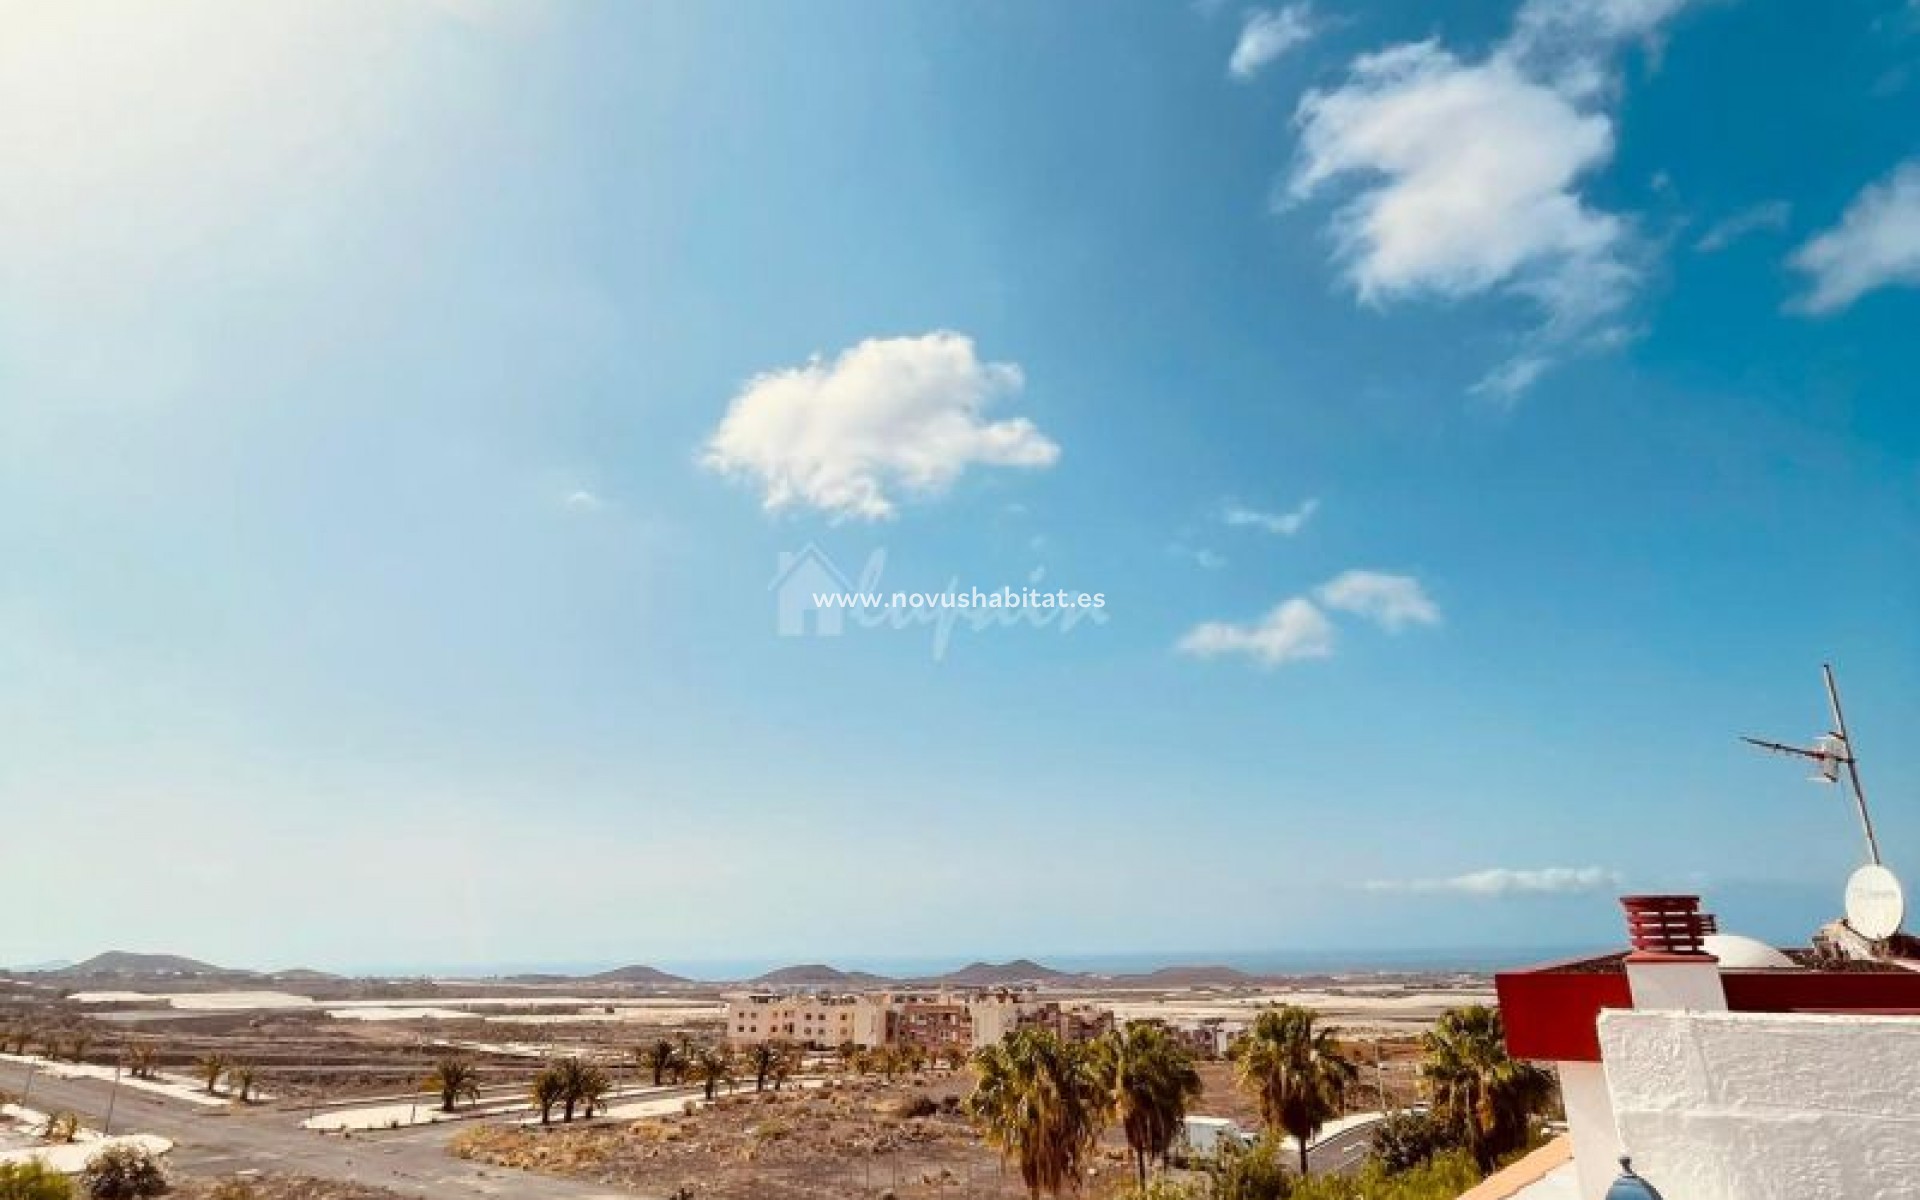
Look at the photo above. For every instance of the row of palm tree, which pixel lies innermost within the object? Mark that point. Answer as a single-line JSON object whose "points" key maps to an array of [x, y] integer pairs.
{"points": [[70, 1044], [571, 1084], [1044, 1102], [241, 1077], [666, 1058], [713, 1065], [891, 1062]]}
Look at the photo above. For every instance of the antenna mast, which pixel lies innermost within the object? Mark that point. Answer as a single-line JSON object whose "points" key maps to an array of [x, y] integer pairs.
{"points": [[1853, 764], [1831, 753]]}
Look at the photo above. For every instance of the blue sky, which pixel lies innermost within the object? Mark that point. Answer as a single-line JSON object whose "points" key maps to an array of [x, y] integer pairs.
{"points": [[1475, 416]]}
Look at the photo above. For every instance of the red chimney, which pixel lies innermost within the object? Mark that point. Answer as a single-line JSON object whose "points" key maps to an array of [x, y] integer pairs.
{"points": [[1664, 927]]}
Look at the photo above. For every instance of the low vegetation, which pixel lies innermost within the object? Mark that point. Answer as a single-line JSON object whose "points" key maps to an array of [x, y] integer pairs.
{"points": [[32, 1181], [123, 1172]]}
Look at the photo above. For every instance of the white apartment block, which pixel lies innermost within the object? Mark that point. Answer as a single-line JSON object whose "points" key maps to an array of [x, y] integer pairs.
{"points": [[808, 1019], [932, 1019]]}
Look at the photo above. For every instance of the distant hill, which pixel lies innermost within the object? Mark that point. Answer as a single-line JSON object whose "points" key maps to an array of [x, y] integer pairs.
{"points": [[128, 963], [818, 975], [1201, 976], [638, 973], [984, 974], [306, 975]]}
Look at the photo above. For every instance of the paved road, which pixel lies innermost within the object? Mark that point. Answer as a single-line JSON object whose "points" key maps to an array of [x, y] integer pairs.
{"points": [[213, 1141], [1343, 1153]]}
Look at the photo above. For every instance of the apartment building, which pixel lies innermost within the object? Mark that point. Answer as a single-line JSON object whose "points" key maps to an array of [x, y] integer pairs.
{"points": [[933, 1020], [808, 1019], [1070, 1023]]}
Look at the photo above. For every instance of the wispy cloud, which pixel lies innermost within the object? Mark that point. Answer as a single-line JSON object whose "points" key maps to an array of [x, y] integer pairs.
{"points": [[1875, 245], [1471, 173], [1285, 524], [1200, 556], [1508, 881], [1392, 602], [1299, 628], [1769, 217], [1266, 35], [886, 418], [584, 501], [1295, 629]]}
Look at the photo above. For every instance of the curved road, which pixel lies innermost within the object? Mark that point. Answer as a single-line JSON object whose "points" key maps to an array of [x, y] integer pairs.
{"points": [[220, 1141]]}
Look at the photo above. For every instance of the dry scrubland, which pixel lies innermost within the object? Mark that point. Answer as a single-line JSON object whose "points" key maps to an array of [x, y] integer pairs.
{"points": [[858, 1137], [855, 1139]]}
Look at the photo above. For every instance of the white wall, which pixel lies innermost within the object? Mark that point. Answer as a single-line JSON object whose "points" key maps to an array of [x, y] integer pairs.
{"points": [[1596, 1146], [1764, 1106]]}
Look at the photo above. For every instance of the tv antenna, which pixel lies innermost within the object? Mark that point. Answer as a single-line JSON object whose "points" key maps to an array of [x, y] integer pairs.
{"points": [[1830, 753]]}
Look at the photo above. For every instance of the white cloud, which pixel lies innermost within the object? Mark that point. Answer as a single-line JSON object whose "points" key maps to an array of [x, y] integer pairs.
{"points": [[1268, 34], [1511, 379], [890, 416], [584, 501], [1299, 627], [1470, 172], [1392, 602], [1285, 524], [1507, 881], [1769, 217], [1876, 244], [1295, 629]]}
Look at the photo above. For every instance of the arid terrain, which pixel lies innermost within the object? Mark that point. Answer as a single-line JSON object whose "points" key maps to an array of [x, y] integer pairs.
{"points": [[340, 1107]]}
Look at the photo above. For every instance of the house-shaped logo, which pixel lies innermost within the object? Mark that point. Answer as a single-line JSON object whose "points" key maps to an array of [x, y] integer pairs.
{"points": [[797, 580]]}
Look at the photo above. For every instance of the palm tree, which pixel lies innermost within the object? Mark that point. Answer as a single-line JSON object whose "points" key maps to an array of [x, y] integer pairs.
{"points": [[241, 1078], [590, 1088], [62, 1127], [1295, 1072], [572, 1072], [211, 1067], [761, 1058], [1151, 1079], [455, 1079], [683, 1059], [660, 1058], [892, 1061], [1039, 1100], [785, 1065], [548, 1090], [1481, 1096], [713, 1066], [142, 1059]]}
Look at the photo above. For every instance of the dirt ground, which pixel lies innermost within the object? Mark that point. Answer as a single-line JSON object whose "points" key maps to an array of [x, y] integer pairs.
{"points": [[277, 1187], [1388, 1079], [860, 1138], [846, 1141]]}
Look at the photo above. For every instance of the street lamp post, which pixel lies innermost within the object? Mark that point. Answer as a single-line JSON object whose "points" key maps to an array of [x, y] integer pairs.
{"points": [[112, 1096]]}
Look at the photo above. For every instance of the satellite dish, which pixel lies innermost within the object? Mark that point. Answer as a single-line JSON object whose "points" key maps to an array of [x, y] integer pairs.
{"points": [[1875, 902]]}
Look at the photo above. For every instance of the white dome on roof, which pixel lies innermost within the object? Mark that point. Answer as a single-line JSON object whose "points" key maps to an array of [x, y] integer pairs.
{"points": [[1739, 953]]}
